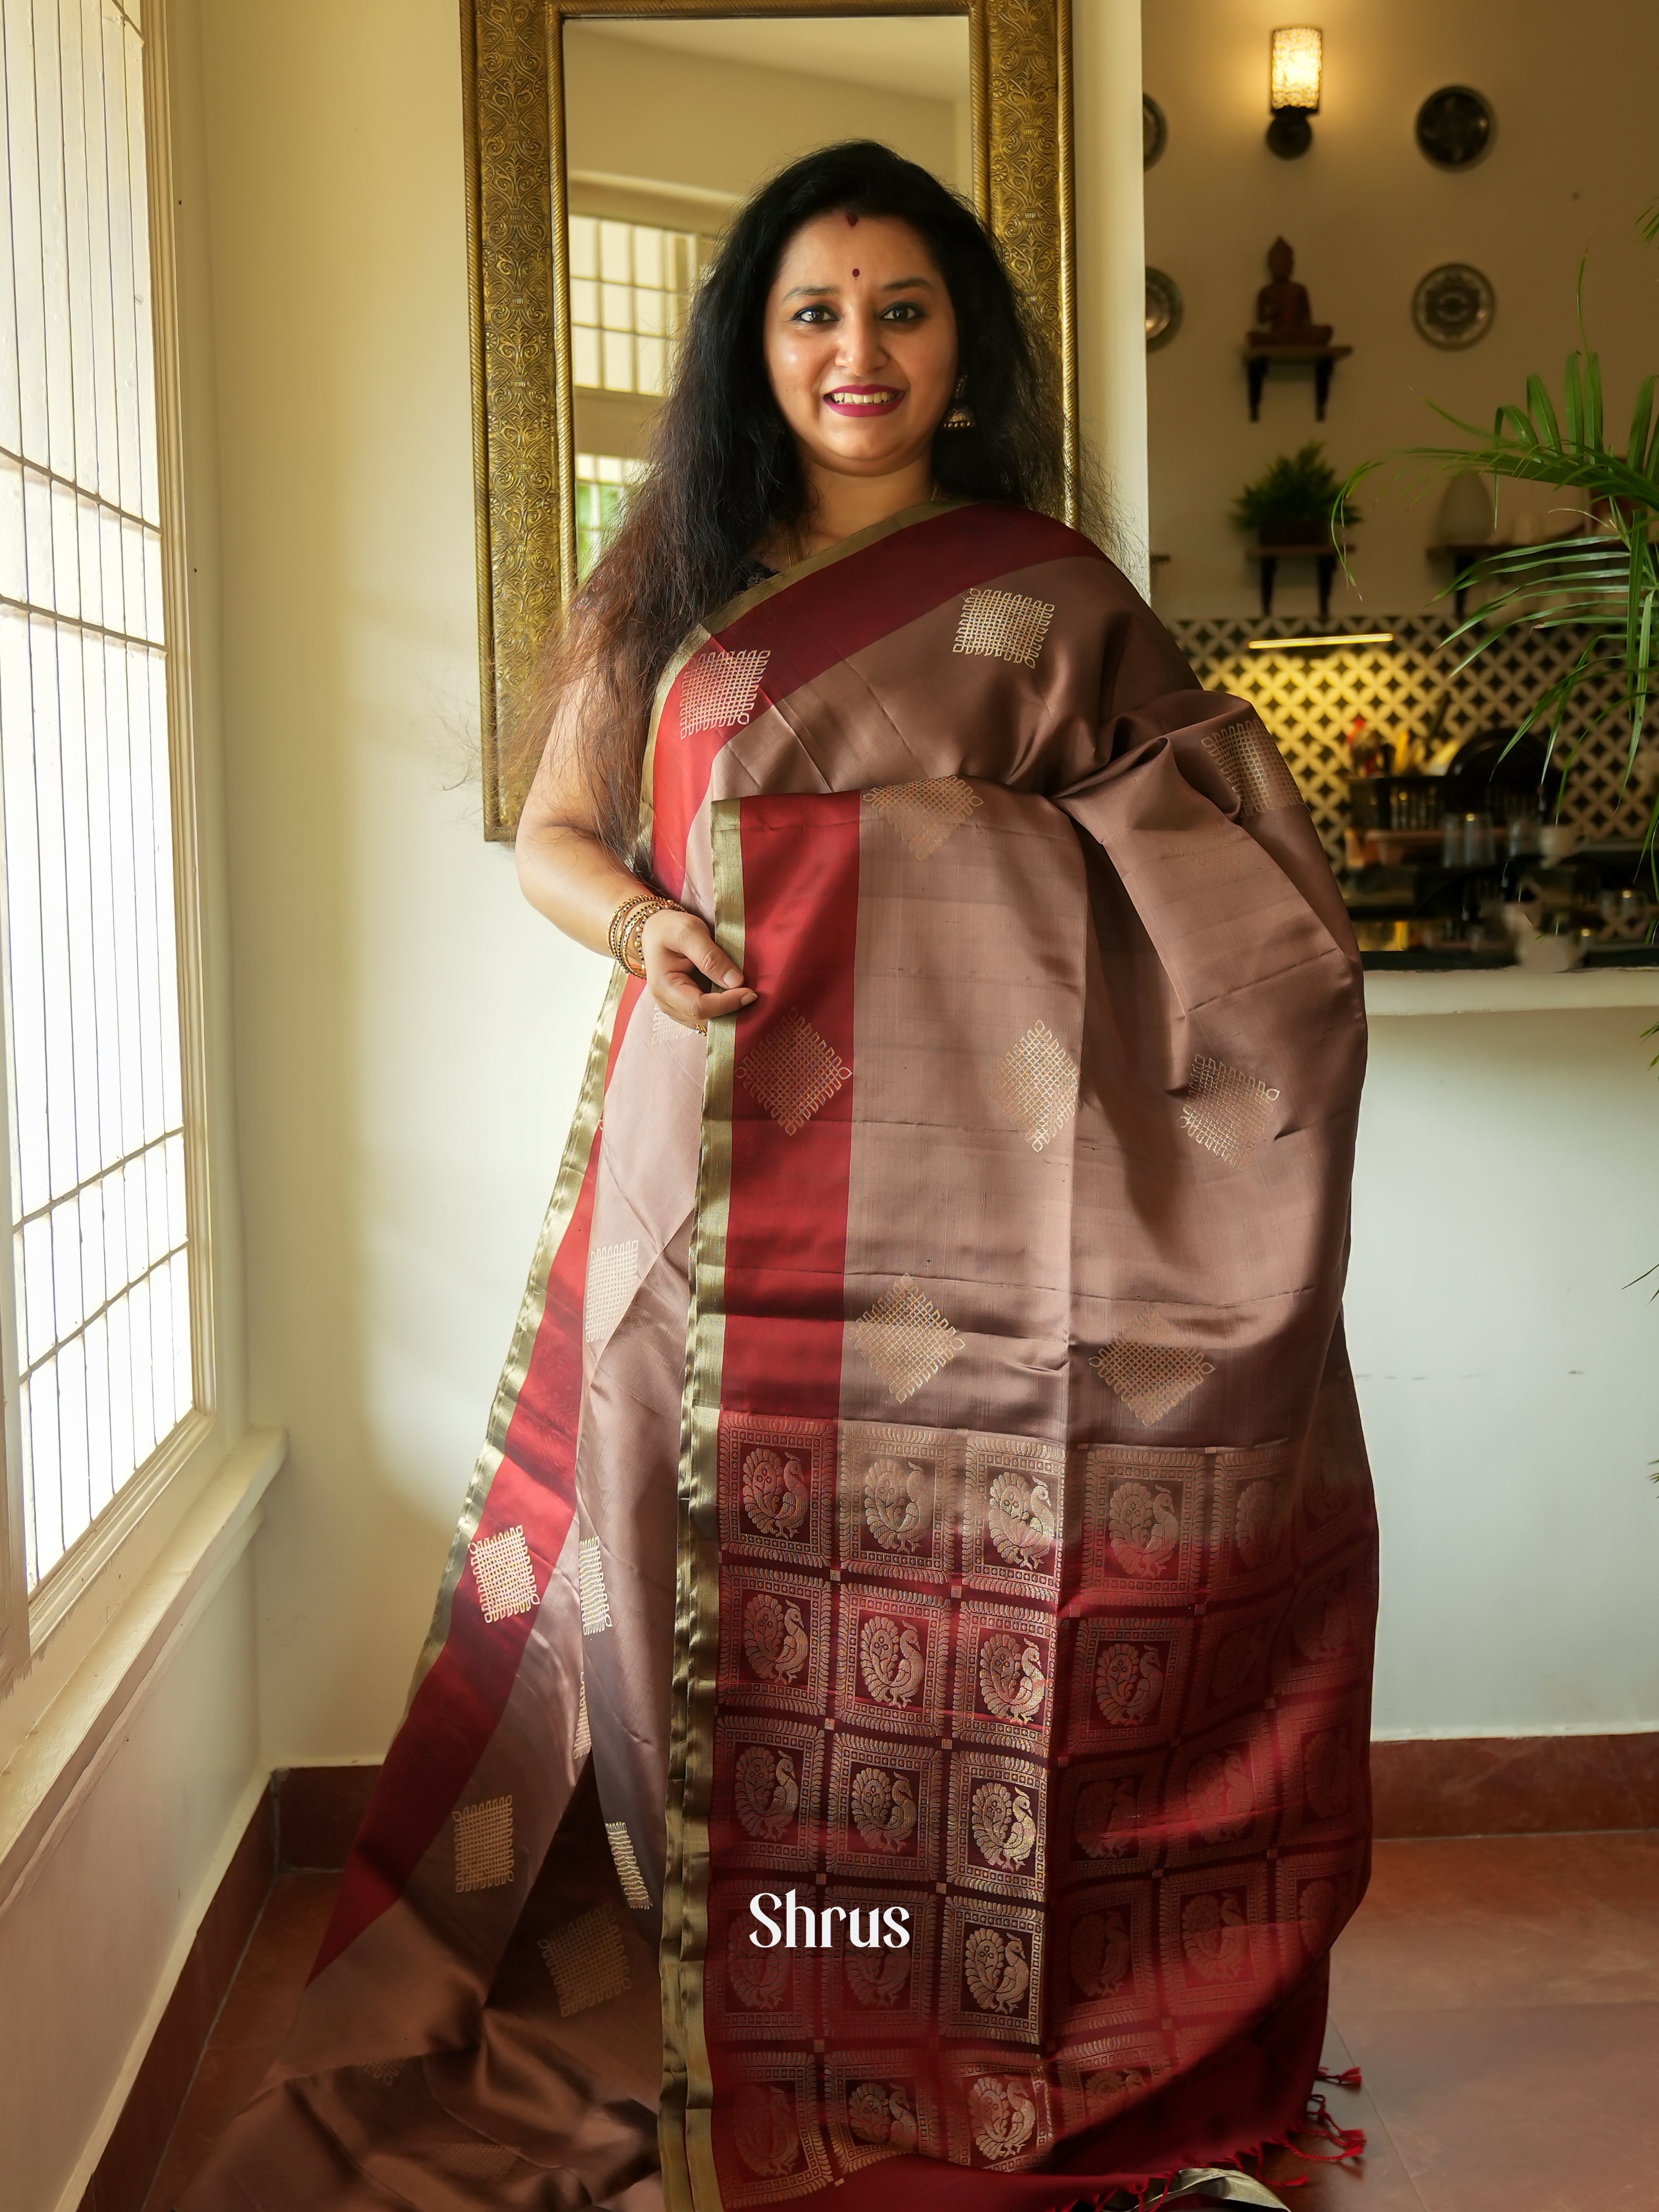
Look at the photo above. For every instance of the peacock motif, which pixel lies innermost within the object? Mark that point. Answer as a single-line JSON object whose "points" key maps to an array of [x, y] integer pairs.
{"points": [[1105, 1818], [1214, 1937], [1100, 1954], [1104, 2093], [1003, 2114], [884, 1807], [896, 1505], [777, 1496], [1258, 1522], [1221, 1796], [763, 2127], [1144, 1531], [1326, 1767], [1011, 1679], [877, 1979], [994, 1968], [764, 1791], [1235, 1659], [1019, 1519], [1323, 1625], [880, 2112], [1316, 1914], [890, 1654], [759, 1978], [1000, 1818], [1129, 1683], [775, 1641]]}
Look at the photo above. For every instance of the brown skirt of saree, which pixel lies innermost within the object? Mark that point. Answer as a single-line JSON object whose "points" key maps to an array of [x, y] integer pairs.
{"points": [[898, 1704]]}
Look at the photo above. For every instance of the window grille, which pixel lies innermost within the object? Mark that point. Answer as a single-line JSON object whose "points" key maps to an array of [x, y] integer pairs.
{"points": [[602, 482], [100, 1231], [630, 288]]}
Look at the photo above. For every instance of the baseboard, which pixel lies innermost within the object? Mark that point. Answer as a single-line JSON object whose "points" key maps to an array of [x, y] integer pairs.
{"points": [[319, 1810], [1521, 1785], [145, 2103]]}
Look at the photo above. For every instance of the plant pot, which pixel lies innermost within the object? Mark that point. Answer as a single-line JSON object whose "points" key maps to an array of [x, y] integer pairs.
{"points": [[1307, 530]]}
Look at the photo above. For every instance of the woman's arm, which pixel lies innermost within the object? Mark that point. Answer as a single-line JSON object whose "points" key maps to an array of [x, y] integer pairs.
{"points": [[567, 874]]}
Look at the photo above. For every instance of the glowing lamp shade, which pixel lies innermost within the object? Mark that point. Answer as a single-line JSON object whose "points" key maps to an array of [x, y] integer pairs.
{"points": [[1298, 58]]}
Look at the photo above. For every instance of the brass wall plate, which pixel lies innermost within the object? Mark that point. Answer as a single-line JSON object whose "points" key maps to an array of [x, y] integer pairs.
{"points": [[522, 404]]}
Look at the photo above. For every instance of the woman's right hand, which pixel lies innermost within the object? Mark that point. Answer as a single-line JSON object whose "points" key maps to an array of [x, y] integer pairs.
{"points": [[678, 952]]}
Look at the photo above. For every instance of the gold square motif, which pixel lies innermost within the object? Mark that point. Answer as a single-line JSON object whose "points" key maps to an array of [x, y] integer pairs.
{"points": [[613, 1271], [588, 1961], [1150, 1378], [1246, 755], [1004, 626], [483, 1845], [906, 1339], [925, 814], [1226, 1111], [718, 688], [590, 1575], [505, 1577], [626, 1859], [792, 1071], [1037, 1086]]}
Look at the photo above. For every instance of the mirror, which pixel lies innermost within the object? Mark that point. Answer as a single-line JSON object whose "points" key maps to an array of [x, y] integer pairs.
{"points": [[608, 144]]}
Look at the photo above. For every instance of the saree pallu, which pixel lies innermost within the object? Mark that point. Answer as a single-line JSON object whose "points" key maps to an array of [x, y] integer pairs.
{"points": [[925, 1513]]}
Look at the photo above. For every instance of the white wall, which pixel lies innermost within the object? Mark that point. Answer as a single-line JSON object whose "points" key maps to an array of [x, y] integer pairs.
{"points": [[410, 1036], [1570, 167], [1507, 1197]]}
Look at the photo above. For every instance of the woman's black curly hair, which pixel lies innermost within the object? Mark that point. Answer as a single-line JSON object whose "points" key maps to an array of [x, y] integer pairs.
{"points": [[725, 474]]}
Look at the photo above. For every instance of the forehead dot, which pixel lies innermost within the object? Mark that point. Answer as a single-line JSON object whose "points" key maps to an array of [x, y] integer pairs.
{"points": [[852, 222], [855, 272]]}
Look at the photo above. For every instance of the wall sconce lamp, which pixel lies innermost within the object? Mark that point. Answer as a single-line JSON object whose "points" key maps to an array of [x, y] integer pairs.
{"points": [[1297, 64]]}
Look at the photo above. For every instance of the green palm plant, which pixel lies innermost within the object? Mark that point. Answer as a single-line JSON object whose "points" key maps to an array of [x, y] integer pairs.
{"points": [[1605, 584]]}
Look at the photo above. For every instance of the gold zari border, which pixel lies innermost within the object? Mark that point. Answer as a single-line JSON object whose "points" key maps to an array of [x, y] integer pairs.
{"points": [[512, 104], [684, 2130]]}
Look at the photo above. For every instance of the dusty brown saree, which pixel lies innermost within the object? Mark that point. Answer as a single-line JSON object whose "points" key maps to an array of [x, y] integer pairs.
{"points": [[927, 1480]]}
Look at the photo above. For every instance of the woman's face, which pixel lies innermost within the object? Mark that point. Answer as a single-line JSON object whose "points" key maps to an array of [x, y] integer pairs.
{"points": [[860, 343]]}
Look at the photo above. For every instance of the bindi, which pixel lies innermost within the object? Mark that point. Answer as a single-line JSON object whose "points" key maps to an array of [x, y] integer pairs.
{"points": [[852, 222], [855, 272]]}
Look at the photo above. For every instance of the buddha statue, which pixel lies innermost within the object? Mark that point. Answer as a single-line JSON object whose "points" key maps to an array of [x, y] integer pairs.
{"points": [[1282, 308]]}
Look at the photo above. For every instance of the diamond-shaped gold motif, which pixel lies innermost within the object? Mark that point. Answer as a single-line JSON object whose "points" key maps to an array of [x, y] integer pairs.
{"points": [[1003, 625], [717, 688], [506, 1577], [613, 1273], [590, 1577], [627, 1861], [1152, 1379], [925, 813], [1036, 1084], [1226, 1111], [792, 1071], [1252, 764], [483, 1845], [588, 1961], [906, 1339], [384, 2070]]}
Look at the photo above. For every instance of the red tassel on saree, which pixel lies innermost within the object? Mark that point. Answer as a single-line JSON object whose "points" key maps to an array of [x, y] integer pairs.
{"points": [[903, 1682]]}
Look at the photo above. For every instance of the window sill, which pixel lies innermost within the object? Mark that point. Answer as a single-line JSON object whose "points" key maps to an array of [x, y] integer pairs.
{"points": [[55, 1759]]}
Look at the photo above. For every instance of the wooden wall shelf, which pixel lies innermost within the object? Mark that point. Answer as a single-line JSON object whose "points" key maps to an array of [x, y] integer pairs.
{"points": [[1258, 360]]}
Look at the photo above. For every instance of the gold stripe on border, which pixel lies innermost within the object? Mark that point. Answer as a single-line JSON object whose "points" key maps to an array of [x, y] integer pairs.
{"points": [[724, 616], [689, 2181], [566, 1189]]}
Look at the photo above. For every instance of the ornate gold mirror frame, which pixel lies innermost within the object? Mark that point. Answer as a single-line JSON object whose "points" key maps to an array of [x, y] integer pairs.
{"points": [[523, 412]]}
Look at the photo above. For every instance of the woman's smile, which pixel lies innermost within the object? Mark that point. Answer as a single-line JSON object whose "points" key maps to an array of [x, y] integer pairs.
{"points": [[864, 399]]}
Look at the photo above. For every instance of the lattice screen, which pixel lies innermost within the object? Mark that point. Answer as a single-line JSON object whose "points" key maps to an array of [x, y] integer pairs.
{"points": [[1309, 700]]}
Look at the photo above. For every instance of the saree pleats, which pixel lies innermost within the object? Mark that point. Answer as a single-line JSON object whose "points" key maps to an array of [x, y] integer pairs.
{"points": [[899, 1704]]}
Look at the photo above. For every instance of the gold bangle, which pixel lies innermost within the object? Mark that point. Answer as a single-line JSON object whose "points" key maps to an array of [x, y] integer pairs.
{"points": [[626, 935]]}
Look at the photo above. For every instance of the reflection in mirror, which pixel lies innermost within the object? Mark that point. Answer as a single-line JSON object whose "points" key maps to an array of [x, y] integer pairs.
{"points": [[669, 126]]}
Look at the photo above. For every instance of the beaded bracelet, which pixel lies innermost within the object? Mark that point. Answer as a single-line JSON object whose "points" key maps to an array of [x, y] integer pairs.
{"points": [[626, 935]]}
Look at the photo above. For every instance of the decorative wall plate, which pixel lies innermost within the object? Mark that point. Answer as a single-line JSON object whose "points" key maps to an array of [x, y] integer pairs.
{"points": [[1154, 130], [1454, 127], [1453, 305], [1163, 309]]}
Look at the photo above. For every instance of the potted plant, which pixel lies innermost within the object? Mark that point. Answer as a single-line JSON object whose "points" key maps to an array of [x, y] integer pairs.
{"points": [[1299, 500]]}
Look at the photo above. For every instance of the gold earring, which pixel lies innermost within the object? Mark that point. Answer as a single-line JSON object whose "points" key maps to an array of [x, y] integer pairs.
{"points": [[959, 415]]}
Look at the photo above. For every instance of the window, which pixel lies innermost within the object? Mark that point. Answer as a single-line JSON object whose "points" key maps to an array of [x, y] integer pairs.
{"points": [[602, 482], [631, 286], [103, 1237]]}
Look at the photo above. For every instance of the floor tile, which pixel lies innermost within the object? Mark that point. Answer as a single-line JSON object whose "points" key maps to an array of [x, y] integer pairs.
{"points": [[1503, 1920], [1543, 2108]]}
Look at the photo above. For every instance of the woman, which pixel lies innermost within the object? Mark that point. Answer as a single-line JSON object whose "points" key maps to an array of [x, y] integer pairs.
{"points": [[899, 1699]]}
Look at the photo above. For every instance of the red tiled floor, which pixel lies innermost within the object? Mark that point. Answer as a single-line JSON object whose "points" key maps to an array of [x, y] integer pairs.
{"points": [[1501, 1995]]}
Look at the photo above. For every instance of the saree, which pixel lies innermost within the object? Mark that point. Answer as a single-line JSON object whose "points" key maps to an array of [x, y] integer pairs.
{"points": [[897, 1706]]}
